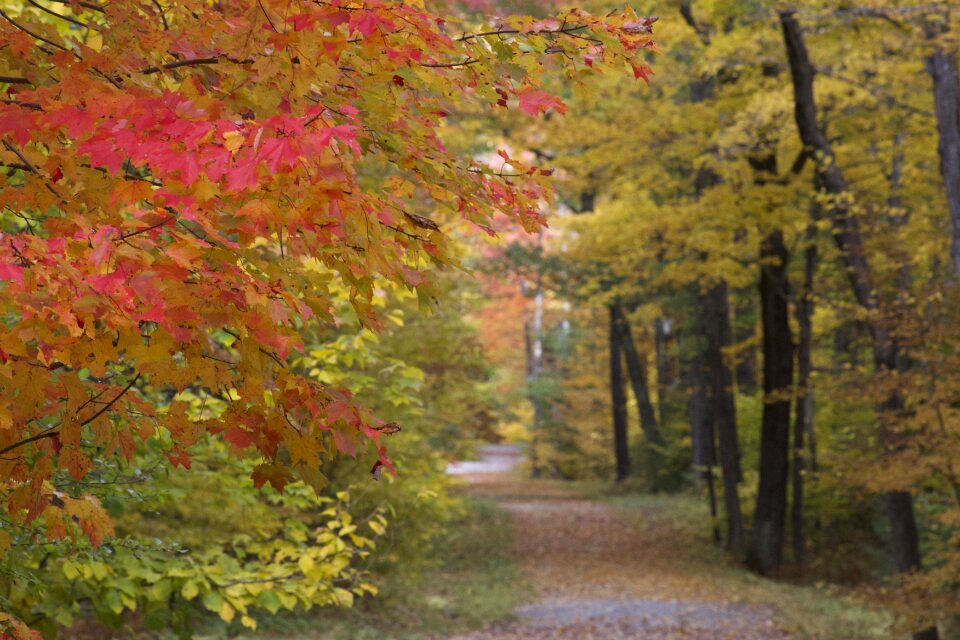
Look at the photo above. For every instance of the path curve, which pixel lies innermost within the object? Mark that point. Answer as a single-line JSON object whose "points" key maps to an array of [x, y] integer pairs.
{"points": [[597, 577]]}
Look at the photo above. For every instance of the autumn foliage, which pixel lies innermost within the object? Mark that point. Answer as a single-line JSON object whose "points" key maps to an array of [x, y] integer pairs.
{"points": [[185, 183]]}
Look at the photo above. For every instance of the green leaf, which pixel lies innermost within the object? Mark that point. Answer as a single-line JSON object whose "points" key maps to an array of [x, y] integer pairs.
{"points": [[213, 601], [190, 590], [269, 601]]}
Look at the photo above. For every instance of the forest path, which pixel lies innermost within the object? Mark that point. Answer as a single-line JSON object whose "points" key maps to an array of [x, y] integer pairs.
{"points": [[595, 575]]}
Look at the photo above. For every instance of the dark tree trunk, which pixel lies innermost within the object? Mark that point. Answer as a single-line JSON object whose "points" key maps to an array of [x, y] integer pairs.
{"points": [[942, 65], [638, 378], [803, 424], [744, 332], [716, 326], [618, 400], [702, 434], [660, 347], [769, 521], [846, 233]]}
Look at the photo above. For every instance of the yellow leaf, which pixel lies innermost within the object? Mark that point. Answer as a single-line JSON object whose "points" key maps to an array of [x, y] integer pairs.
{"points": [[95, 41], [232, 140], [306, 563], [190, 590], [70, 570], [226, 612]]}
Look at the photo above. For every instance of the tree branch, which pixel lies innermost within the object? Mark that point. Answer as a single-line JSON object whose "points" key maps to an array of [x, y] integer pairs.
{"points": [[32, 168], [146, 229], [56, 45], [163, 17], [450, 65], [51, 433], [55, 14], [194, 62], [501, 32], [86, 5], [267, 16], [108, 405]]}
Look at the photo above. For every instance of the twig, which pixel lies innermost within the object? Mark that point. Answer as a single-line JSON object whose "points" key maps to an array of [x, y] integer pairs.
{"points": [[31, 167], [33, 106], [145, 229], [4, 15], [107, 406], [54, 13], [265, 15], [86, 5], [451, 65], [269, 354], [51, 433], [500, 32], [163, 17]]}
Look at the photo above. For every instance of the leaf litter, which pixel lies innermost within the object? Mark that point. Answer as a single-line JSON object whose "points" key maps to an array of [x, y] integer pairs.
{"points": [[597, 576]]}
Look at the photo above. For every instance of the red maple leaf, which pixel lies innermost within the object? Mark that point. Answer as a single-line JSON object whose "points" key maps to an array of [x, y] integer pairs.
{"points": [[537, 101]]}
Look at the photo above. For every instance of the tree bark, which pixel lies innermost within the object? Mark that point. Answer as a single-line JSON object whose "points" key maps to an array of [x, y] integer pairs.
{"points": [[846, 233], [533, 345], [942, 66], [638, 378], [618, 400], [702, 434], [769, 521], [716, 325], [744, 332], [803, 416], [660, 347], [535, 470]]}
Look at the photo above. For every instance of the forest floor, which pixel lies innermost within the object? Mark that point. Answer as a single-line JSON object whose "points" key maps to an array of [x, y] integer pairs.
{"points": [[629, 568]]}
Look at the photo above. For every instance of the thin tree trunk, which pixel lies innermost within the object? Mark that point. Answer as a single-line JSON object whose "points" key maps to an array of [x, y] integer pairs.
{"points": [[803, 424], [769, 521], [846, 233], [530, 371], [703, 436], [716, 325], [660, 347], [744, 332], [638, 378], [533, 345], [618, 400], [942, 66]]}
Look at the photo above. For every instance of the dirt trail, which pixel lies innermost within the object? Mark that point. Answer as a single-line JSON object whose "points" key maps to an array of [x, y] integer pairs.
{"points": [[596, 576]]}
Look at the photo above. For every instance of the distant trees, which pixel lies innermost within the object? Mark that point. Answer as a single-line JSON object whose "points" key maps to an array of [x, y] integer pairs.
{"points": [[774, 132]]}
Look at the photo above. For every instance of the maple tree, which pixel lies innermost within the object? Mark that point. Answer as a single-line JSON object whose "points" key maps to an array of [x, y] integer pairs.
{"points": [[185, 185]]}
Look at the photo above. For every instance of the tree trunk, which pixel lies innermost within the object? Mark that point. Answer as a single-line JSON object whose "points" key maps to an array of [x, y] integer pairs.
{"points": [[744, 332], [638, 378], [618, 400], [702, 434], [803, 424], [533, 346], [660, 347], [846, 233], [942, 66], [716, 326], [769, 521], [535, 470]]}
